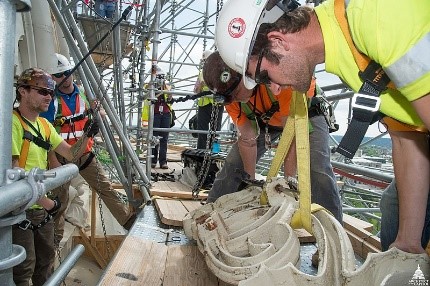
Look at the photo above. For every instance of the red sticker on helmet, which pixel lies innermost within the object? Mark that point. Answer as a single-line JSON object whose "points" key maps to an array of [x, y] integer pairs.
{"points": [[236, 27]]}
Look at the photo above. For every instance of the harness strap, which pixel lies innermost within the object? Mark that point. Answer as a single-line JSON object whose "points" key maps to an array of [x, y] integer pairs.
{"points": [[29, 137], [87, 161], [26, 224], [366, 102]]}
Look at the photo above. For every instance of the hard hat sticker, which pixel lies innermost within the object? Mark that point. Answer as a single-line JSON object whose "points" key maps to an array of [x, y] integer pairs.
{"points": [[236, 27]]}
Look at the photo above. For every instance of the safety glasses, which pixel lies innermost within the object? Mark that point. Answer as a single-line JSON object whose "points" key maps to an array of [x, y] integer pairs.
{"points": [[43, 91], [261, 76], [61, 74]]}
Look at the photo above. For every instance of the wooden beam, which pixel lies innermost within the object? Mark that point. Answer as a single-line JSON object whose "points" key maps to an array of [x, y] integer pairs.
{"points": [[353, 222], [176, 194], [94, 251], [361, 247]]}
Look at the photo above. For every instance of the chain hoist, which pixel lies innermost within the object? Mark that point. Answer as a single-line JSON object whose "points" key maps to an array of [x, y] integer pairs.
{"points": [[208, 152]]}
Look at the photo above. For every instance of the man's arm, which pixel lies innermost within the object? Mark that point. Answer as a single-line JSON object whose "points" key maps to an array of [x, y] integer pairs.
{"points": [[247, 144], [72, 153]]}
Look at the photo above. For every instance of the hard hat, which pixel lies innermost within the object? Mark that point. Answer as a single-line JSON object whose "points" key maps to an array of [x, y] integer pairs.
{"points": [[220, 78], [206, 54], [159, 72], [236, 29], [63, 65], [35, 77]]}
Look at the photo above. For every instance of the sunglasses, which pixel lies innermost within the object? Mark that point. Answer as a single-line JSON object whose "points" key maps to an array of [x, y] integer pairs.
{"points": [[43, 91], [61, 74], [261, 77]]}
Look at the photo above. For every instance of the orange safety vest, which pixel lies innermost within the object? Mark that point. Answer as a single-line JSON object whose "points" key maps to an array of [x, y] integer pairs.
{"points": [[71, 132]]}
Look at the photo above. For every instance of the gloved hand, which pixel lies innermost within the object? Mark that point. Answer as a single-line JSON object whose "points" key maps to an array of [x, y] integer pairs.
{"points": [[56, 208], [292, 183], [91, 128]]}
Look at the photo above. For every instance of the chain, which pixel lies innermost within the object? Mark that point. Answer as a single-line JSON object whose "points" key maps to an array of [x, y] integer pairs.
{"points": [[206, 159], [101, 214]]}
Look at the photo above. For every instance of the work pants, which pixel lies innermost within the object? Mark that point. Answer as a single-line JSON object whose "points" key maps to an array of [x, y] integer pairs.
{"points": [[203, 119], [39, 246]]}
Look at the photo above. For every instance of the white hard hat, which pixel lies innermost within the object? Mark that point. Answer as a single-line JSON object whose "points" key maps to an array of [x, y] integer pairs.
{"points": [[63, 64], [238, 22], [206, 54]]}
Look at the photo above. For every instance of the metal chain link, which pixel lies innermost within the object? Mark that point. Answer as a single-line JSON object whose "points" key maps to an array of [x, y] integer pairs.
{"points": [[107, 243], [208, 152]]}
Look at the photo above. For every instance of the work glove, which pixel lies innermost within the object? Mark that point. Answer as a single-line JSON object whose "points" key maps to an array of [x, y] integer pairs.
{"points": [[57, 205], [91, 128]]}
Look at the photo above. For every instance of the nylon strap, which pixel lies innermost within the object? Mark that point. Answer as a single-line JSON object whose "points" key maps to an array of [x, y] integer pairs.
{"points": [[375, 81], [297, 125]]}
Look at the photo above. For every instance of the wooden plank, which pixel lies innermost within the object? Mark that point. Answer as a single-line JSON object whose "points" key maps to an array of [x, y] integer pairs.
{"points": [[304, 236], [365, 235], [191, 205], [138, 262], [356, 223], [171, 212], [185, 266], [176, 194], [361, 247]]}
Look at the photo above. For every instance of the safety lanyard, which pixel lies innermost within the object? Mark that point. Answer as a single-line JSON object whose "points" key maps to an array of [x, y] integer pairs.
{"points": [[365, 103]]}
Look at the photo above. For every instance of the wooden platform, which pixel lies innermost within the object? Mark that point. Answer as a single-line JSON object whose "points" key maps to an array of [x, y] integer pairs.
{"points": [[158, 264]]}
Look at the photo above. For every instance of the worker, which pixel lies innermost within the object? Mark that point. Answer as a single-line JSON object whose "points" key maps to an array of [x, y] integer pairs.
{"points": [[260, 117], [34, 141], [69, 111], [205, 108], [283, 46]]}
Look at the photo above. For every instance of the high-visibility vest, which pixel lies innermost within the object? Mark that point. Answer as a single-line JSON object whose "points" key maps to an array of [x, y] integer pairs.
{"points": [[72, 131], [26, 142]]}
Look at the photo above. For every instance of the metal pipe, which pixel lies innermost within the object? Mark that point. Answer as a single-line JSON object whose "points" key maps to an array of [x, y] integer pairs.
{"points": [[7, 47], [63, 270], [19, 193], [361, 210], [378, 175], [177, 32], [151, 87]]}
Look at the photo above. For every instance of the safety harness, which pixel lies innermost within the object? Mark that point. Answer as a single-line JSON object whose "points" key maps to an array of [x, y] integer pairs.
{"points": [[29, 137], [365, 103], [42, 143]]}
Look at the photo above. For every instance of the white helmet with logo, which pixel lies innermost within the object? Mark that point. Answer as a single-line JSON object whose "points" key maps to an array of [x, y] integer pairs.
{"points": [[238, 22], [63, 65]]}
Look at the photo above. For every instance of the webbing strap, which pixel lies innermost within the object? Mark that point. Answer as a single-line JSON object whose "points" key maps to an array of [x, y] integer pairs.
{"points": [[297, 125], [366, 102]]}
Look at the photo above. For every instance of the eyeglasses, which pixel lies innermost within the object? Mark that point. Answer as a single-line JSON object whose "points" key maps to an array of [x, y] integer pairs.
{"points": [[43, 91], [60, 74], [261, 77]]}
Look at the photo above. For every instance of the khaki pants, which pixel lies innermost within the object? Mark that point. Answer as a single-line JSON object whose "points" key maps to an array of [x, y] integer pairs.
{"points": [[97, 179]]}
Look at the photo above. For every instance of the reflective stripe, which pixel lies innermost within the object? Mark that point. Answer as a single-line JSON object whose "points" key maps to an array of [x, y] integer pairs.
{"points": [[412, 65], [75, 134]]}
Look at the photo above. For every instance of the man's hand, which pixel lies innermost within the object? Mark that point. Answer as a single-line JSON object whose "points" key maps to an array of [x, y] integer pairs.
{"points": [[91, 128]]}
